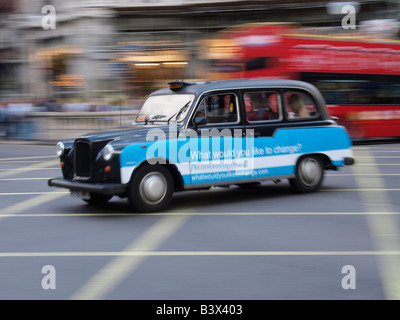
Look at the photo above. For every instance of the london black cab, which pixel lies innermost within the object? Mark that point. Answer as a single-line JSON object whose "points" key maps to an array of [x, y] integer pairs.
{"points": [[197, 135]]}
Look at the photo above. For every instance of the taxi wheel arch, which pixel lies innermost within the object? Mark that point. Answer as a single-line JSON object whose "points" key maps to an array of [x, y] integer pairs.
{"points": [[309, 173], [172, 168], [151, 188]]}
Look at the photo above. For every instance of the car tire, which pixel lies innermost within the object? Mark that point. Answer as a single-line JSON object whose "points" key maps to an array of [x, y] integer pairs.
{"points": [[309, 174], [151, 188], [97, 199]]}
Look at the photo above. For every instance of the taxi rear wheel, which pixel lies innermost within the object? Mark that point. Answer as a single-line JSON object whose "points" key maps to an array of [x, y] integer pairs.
{"points": [[151, 188], [309, 174]]}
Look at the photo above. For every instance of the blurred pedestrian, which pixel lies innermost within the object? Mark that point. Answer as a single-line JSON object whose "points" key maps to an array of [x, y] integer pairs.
{"points": [[3, 118], [52, 105]]}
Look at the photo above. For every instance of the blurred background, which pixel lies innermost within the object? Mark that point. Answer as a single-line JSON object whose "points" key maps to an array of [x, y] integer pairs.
{"points": [[96, 67]]}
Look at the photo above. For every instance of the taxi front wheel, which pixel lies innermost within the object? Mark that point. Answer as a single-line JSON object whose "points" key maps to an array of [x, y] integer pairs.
{"points": [[151, 188], [309, 174]]}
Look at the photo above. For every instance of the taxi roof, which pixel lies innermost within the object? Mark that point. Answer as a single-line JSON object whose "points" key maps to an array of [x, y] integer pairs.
{"points": [[198, 88]]}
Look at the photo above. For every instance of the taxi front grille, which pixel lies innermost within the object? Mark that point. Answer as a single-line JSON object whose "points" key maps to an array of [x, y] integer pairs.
{"points": [[82, 159]]}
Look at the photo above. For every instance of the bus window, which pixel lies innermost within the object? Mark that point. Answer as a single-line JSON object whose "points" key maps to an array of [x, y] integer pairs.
{"points": [[257, 63], [359, 92]]}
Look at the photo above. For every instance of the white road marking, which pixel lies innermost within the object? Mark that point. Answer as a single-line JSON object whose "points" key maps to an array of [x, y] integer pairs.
{"points": [[127, 214], [377, 157], [362, 189], [31, 193], [111, 275], [23, 179], [378, 164], [361, 174], [114, 269], [36, 166], [23, 169], [27, 158], [28, 204], [383, 229]]}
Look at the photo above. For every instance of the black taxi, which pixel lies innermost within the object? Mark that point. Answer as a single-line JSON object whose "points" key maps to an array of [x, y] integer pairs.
{"points": [[197, 135]]}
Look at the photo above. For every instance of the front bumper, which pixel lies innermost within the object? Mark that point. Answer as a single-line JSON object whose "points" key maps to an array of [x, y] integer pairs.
{"points": [[349, 161], [103, 188]]}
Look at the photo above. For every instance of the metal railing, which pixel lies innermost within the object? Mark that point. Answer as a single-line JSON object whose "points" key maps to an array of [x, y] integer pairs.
{"points": [[55, 126]]}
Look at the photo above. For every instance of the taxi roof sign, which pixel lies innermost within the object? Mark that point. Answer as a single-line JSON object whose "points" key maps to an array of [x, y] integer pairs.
{"points": [[178, 84]]}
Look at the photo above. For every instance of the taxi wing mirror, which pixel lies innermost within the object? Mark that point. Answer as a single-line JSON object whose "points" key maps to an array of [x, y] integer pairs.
{"points": [[336, 119], [199, 121]]}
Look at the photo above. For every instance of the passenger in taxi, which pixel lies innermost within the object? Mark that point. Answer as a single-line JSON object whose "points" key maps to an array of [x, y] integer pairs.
{"points": [[260, 109], [296, 104]]}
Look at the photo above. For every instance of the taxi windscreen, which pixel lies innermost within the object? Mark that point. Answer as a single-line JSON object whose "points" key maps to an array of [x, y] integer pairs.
{"points": [[165, 108]]}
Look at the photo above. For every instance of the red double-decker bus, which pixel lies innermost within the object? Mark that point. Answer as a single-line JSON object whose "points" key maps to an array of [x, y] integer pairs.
{"points": [[359, 77]]}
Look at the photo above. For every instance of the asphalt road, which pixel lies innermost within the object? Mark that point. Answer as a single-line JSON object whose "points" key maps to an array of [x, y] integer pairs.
{"points": [[225, 243]]}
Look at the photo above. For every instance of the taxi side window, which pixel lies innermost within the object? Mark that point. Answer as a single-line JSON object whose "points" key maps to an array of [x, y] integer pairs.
{"points": [[262, 106], [299, 105], [219, 108]]}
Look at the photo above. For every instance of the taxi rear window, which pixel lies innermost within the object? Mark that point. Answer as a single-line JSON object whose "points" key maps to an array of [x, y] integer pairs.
{"points": [[262, 106], [299, 105]]}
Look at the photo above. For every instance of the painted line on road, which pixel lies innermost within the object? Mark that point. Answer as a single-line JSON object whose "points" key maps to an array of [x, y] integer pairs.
{"points": [[362, 189], [327, 190], [374, 147], [23, 179], [59, 215], [380, 151], [26, 158], [19, 161], [328, 175], [378, 157], [384, 232], [115, 272], [28, 204], [33, 167], [31, 193], [361, 174], [23, 169], [376, 164]]}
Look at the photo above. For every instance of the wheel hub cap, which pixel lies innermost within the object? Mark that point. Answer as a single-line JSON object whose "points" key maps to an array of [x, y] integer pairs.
{"points": [[153, 188], [310, 172]]}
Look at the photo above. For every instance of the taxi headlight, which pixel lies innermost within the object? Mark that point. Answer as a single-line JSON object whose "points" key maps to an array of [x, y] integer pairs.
{"points": [[60, 149], [108, 152]]}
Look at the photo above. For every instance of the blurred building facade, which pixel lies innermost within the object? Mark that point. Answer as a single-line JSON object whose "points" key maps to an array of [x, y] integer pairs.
{"points": [[126, 48]]}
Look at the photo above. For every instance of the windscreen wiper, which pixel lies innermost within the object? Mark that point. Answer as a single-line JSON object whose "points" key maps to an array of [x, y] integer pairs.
{"points": [[158, 116], [177, 114]]}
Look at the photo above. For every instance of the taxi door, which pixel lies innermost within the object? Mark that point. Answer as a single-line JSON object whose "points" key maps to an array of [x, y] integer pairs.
{"points": [[219, 154], [273, 149]]}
